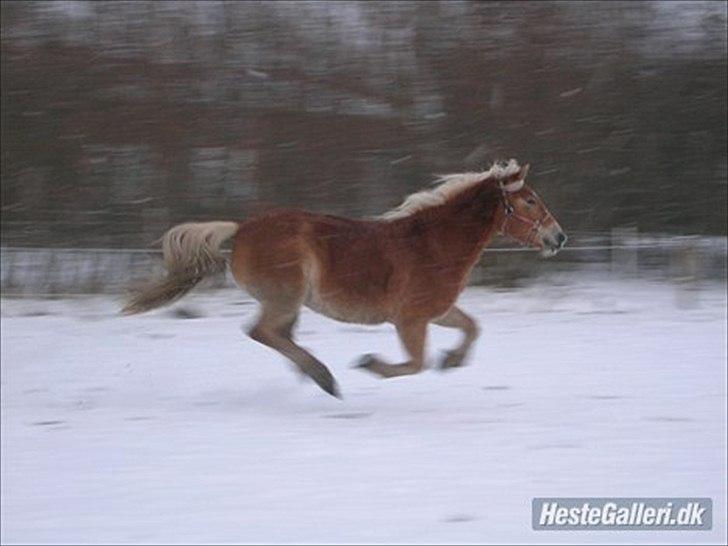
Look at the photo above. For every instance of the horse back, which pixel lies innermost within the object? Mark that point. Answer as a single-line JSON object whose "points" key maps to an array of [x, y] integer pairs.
{"points": [[340, 267]]}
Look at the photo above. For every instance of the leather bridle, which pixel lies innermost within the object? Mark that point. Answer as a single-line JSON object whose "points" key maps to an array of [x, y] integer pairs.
{"points": [[510, 214]]}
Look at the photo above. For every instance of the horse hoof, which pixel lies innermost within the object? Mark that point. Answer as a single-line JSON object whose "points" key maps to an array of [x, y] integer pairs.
{"points": [[324, 379], [329, 385], [333, 389], [452, 359], [366, 361]]}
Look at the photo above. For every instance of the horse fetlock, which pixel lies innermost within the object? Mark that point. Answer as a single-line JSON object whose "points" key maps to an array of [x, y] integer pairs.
{"points": [[452, 359]]}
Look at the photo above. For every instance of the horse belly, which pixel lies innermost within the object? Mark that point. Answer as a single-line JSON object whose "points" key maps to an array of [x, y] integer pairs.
{"points": [[339, 301], [344, 311]]}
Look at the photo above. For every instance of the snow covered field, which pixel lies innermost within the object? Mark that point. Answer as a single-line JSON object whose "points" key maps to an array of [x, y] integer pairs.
{"points": [[163, 429]]}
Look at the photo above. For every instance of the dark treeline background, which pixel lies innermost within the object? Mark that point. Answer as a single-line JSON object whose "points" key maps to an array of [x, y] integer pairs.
{"points": [[120, 118]]}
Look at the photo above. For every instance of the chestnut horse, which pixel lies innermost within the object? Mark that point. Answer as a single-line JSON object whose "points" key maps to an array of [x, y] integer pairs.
{"points": [[406, 267]]}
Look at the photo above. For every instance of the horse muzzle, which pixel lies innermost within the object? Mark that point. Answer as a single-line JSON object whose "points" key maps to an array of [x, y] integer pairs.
{"points": [[552, 241]]}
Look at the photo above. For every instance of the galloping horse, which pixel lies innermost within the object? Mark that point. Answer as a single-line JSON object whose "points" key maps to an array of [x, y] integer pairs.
{"points": [[406, 267]]}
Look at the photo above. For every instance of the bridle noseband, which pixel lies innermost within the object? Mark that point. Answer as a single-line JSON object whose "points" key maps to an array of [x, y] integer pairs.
{"points": [[510, 213]]}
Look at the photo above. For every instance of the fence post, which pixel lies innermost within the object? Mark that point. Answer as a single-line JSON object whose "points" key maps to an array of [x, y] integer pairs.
{"points": [[686, 258], [624, 253]]}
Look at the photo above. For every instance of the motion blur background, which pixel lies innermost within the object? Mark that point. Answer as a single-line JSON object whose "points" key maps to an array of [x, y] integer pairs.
{"points": [[120, 119], [601, 371]]}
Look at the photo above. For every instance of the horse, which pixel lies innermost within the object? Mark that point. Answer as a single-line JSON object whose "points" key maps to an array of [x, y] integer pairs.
{"points": [[405, 267]]}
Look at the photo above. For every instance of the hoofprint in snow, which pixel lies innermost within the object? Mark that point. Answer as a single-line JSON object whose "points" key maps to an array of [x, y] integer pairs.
{"points": [[157, 429]]}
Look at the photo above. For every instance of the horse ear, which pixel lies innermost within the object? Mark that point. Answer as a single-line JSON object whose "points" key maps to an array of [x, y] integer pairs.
{"points": [[513, 185], [523, 172]]}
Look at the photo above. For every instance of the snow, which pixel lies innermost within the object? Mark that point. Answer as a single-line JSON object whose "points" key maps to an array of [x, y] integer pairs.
{"points": [[158, 429]]}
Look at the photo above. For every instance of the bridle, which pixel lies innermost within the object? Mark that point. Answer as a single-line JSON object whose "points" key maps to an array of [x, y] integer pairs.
{"points": [[511, 214]]}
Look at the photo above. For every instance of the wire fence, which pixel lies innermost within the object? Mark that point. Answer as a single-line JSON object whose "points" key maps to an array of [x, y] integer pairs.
{"points": [[55, 271]]}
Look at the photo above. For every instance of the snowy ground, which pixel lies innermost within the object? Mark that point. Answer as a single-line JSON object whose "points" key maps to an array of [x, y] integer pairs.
{"points": [[159, 429]]}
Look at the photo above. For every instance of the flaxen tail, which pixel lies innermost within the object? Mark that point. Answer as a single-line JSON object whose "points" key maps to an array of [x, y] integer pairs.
{"points": [[191, 253]]}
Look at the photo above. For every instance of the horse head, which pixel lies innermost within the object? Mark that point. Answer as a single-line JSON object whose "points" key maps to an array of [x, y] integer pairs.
{"points": [[526, 218]]}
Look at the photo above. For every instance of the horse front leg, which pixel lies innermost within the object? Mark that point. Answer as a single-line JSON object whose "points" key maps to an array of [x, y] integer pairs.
{"points": [[412, 335], [457, 318]]}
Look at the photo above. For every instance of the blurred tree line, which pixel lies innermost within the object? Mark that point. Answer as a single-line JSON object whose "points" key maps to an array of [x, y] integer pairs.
{"points": [[120, 118]]}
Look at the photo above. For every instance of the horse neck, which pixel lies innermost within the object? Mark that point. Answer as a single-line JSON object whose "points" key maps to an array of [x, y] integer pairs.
{"points": [[463, 227]]}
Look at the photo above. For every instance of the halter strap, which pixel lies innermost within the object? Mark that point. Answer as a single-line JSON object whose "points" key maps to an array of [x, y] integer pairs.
{"points": [[510, 213]]}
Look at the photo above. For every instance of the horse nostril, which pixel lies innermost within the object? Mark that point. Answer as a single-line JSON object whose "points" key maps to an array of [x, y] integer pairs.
{"points": [[561, 239]]}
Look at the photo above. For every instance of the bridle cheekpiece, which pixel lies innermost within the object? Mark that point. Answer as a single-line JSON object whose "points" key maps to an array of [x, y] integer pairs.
{"points": [[510, 214]]}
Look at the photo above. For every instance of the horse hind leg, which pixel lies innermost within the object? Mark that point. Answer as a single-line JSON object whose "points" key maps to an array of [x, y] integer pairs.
{"points": [[412, 335], [286, 328], [286, 331], [274, 329], [456, 318]]}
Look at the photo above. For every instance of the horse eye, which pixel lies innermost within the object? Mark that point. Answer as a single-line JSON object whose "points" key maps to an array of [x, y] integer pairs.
{"points": [[530, 201]]}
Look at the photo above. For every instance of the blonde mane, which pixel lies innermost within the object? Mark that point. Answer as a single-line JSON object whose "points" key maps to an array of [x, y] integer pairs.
{"points": [[446, 187]]}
